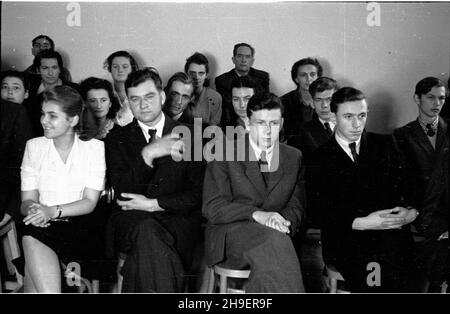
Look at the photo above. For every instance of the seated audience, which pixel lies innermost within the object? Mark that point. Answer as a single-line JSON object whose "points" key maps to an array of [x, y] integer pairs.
{"points": [[41, 43], [299, 106], [100, 98], [120, 64], [255, 207], [364, 219], [156, 221], [207, 103], [62, 177]]}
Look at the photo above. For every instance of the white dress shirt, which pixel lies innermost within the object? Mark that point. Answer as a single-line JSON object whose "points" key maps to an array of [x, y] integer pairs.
{"points": [[159, 128], [344, 145], [58, 182]]}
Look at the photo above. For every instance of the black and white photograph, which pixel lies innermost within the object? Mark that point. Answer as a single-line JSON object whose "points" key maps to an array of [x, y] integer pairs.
{"points": [[224, 153]]}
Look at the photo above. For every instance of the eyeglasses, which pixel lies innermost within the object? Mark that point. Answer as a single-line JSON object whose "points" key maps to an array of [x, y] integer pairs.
{"points": [[322, 100]]}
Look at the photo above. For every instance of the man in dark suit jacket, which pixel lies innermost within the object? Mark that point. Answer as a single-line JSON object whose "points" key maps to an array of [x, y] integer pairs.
{"points": [[363, 216], [243, 58], [425, 144], [15, 131], [314, 134], [157, 219], [254, 207], [425, 139]]}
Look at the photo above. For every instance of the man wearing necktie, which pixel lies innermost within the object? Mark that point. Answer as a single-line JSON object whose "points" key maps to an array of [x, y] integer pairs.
{"points": [[360, 195], [313, 134], [424, 143], [255, 204], [156, 220]]}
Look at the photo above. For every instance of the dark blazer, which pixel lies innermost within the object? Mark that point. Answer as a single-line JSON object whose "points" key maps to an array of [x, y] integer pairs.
{"points": [[15, 131], [176, 185], [296, 113], [348, 191], [420, 156], [312, 135], [233, 190], [223, 87]]}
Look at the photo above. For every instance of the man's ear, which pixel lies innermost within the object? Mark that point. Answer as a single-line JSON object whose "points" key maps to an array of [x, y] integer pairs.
{"points": [[26, 95], [163, 97], [417, 99]]}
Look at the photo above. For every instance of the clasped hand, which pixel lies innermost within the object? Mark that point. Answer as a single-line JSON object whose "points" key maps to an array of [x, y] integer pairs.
{"points": [[272, 220], [139, 202], [393, 218], [38, 215]]}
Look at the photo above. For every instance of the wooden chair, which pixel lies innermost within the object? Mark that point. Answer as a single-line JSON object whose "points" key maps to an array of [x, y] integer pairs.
{"points": [[224, 274], [8, 234]]}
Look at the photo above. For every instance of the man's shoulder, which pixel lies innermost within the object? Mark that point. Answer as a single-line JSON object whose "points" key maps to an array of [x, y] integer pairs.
{"points": [[211, 93], [290, 151], [225, 76], [259, 73], [406, 128]]}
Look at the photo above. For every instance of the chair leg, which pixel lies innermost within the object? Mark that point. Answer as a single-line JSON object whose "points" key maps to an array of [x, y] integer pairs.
{"points": [[333, 285], [95, 286], [211, 281], [223, 284], [15, 252]]}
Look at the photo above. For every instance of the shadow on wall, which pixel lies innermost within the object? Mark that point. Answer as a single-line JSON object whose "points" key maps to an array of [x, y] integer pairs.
{"points": [[381, 112]]}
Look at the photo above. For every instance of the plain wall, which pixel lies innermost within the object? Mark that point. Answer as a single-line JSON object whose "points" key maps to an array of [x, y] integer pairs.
{"points": [[385, 61]]}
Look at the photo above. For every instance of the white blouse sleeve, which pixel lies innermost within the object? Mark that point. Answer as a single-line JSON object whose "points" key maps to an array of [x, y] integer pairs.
{"points": [[29, 171], [97, 166]]}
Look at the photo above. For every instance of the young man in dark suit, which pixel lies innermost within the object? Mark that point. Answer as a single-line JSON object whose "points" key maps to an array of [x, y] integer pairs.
{"points": [[423, 140], [156, 222], [425, 144], [364, 222], [315, 133], [15, 131], [254, 203], [243, 59]]}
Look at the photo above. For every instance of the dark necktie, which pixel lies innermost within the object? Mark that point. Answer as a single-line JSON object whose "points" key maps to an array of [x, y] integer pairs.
{"points": [[328, 129], [353, 150], [430, 130], [152, 133], [264, 166]]}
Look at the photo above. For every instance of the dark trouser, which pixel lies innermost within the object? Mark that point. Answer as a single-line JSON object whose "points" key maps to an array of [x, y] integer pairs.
{"points": [[158, 249], [270, 256]]}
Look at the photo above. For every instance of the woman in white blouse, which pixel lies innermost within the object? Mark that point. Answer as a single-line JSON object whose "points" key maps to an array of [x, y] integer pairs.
{"points": [[62, 177]]}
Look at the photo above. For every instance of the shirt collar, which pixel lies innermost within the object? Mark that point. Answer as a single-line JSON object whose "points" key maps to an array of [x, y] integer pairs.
{"points": [[257, 150], [423, 124], [159, 127], [344, 144]]}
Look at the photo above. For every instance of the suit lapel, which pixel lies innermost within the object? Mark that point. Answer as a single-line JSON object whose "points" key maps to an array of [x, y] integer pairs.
{"points": [[422, 139], [276, 168], [252, 168], [441, 134]]}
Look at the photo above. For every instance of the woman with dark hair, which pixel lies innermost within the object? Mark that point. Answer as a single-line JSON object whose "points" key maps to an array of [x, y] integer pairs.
{"points": [[120, 64], [298, 103], [62, 176], [49, 64], [100, 98]]}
